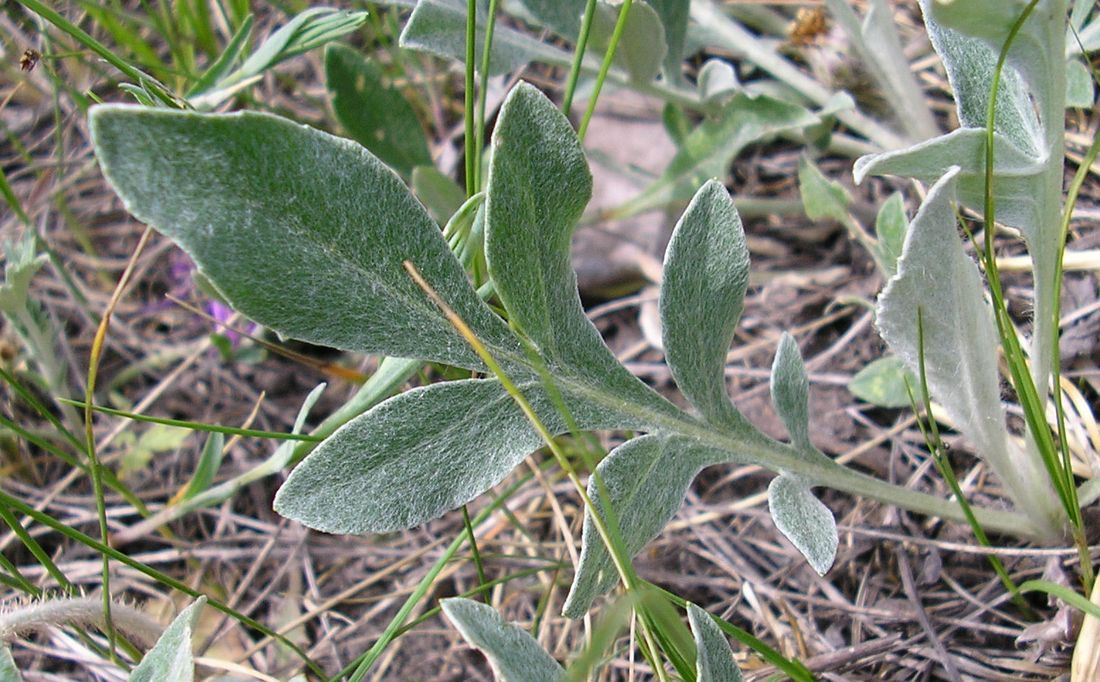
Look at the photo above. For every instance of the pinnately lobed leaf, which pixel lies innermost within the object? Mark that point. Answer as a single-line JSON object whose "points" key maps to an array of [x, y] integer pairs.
{"points": [[646, 479], [714, 659], [421, 454], [170, 659], [514, 654], [804, 520], [302, 231], [706, 273], [539, 184]]}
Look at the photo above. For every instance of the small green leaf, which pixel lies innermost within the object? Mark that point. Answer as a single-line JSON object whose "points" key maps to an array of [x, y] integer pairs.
{"points": [[1080, 88], [207, 469], [706, 273], [21, 264], [890, 224], [822, 198], [373, 112], [882, 383], [714, 659], [641, 49], [439, 27], [804, 520], [170, 659], [790, 392], [423, 453], [8, 670], [309, 29], [302, 231], [646, 480], [439, 193], [514, 654], [539, 184]]}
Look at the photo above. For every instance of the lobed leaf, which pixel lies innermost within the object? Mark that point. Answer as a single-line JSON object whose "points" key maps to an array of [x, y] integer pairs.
{"points": [[170, 659], [803, 520], [539, 184], [423, 453], [706, 273], [646, 479], [514, 654], [936, 278], [790, 392], [714, 659], [302, 231], [373, 112]]}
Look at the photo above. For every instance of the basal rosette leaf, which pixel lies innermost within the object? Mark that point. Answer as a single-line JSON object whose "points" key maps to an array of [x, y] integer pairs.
{"points": [[539, 184], [714, 659], [646, 480], [302, 231], [514, 654], [706, 273], [423, 453]]}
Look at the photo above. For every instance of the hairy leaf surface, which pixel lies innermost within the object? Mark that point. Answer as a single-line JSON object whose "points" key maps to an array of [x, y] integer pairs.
{"points": [[170, 659], [421, 454], [646, 480], [641, 49], [302, 231], [937, 278], [804, 520], [373, 112], [790, 392], [514, 654], [706, 273], [539, 184], [714, 659]]}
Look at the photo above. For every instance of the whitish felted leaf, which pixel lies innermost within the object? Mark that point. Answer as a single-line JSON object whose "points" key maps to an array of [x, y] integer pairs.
{"points": [[514, 654], [646, 480], [641, 48], [439, 27], [8, 670], [936, 277], [539, 184], [674, 17], [882, 383], [706, 273], [708, 151], [560, 16], [302, 231], [373, 112], [716, 80], [170, 659], [713, 658], [423, 453], [1080, 88], [822, 198], [890, 224], [804, 520], [790, 392]]}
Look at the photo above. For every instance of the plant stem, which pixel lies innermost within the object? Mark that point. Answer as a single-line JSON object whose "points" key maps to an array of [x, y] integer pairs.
{"points": [[482, 94], [578, 56], [468, 96]]}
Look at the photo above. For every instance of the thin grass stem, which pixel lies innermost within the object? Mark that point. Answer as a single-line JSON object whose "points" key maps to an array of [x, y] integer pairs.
{"points": [[609, 56]]}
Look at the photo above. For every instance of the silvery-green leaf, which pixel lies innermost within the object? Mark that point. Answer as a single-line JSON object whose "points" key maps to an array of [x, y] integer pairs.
{"points": [[423, 453], [641, 48], [890, 224], [790, 392], [713, 658], [876, 41], [539, 184], [513, 653], [8, 670], [439, 193], [439, 27], [646, 480], [372, 111], [1080, 88], [822, 198], [560, 16], [170, 659], [714, 144], [21, 262], [706, 273], [717, 79], [674, 18], [804, 520], [882, 383], [936, 277], [302, 231]]}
